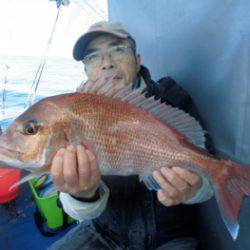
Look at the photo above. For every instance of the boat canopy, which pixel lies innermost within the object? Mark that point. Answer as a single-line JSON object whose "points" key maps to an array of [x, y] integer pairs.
{"points": [[205, 47]]}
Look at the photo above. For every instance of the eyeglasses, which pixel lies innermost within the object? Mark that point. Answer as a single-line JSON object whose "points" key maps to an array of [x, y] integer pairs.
{"points": [[115, 53]]}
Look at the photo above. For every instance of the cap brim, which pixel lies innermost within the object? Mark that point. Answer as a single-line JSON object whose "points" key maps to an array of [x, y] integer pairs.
{"points": [[82, 43]]}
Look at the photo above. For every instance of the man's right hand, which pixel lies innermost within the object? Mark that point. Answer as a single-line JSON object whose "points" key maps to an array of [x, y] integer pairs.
{"points": [[75, 170]]}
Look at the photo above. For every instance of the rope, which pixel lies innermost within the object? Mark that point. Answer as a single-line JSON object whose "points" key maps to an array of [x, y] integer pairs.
{"points": [[43, 62], [4, 88]]}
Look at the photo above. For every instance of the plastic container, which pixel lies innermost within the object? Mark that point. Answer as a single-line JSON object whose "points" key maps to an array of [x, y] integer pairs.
{"points": [[8, 177], [50, 209]]}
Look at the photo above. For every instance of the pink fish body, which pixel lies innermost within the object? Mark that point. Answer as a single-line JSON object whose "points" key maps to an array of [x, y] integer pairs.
{"points": [[129, 134]]}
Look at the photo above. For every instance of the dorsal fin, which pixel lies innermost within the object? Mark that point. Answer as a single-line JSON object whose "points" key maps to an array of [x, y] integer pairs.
{"points": [[174, 117]]}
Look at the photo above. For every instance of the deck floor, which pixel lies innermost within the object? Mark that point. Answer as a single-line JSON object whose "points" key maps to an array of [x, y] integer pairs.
{"points": [[17, 228]]}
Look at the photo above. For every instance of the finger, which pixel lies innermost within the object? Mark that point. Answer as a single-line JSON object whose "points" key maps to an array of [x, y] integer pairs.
{"points": [[70, 166], [96, 177], [176, 181], [164, 199], [57, 168], [191, 178], [87, 145], [94, 166], [164, 184], [84, 170]]}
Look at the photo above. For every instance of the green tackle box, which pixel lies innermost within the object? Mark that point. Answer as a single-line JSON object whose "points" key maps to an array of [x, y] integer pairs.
{"points": [[50, 210]]}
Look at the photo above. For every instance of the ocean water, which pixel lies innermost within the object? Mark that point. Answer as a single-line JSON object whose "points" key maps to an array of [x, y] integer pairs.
{"points": [[17, 73]]}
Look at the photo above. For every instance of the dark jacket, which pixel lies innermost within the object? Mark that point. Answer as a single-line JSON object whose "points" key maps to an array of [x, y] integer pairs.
{"points": [[134, 218]]}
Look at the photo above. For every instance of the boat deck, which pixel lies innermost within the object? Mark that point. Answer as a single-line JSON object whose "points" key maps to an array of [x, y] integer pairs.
{"points": [[17, 227]]}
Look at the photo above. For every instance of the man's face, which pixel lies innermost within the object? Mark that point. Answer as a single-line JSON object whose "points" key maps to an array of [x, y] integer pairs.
{"points": [[108, 56]]}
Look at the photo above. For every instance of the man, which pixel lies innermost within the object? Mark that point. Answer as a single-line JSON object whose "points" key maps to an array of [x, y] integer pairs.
{"points": [[124, 213]]}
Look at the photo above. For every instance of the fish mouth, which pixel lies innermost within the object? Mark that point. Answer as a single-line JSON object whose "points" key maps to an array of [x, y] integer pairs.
{"points": [[10, 158], [8, 152]]}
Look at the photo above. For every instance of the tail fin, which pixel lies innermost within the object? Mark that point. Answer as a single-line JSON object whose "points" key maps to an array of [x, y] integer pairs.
{"points": [[229, 193]]}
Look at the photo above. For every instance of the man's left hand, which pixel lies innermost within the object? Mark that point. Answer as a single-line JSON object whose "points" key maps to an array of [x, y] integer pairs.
{"points": [[177, 185]]}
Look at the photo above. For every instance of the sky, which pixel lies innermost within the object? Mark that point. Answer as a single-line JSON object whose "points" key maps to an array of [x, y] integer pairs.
{"points": [[25, 25]]}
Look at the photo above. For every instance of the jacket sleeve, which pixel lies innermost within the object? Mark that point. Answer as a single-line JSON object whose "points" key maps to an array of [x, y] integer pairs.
{"points": [[203, 194], [85, 210]]}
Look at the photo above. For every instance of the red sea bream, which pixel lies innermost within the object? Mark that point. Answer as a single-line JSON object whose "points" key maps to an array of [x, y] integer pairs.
{"points": [[129, 134]]}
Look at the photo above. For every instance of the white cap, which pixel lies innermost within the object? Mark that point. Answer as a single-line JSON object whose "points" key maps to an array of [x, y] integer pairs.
{"points": [[95, 30]]}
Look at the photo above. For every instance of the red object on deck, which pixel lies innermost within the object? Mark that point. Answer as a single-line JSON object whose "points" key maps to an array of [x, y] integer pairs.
{"points": [[8, 177]]}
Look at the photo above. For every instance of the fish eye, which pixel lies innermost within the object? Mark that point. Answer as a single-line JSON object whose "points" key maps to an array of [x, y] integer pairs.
{"points": [[31, 127]]}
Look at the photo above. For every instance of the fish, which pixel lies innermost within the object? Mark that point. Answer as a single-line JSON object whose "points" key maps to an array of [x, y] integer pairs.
{"points": [[129, 134]]}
